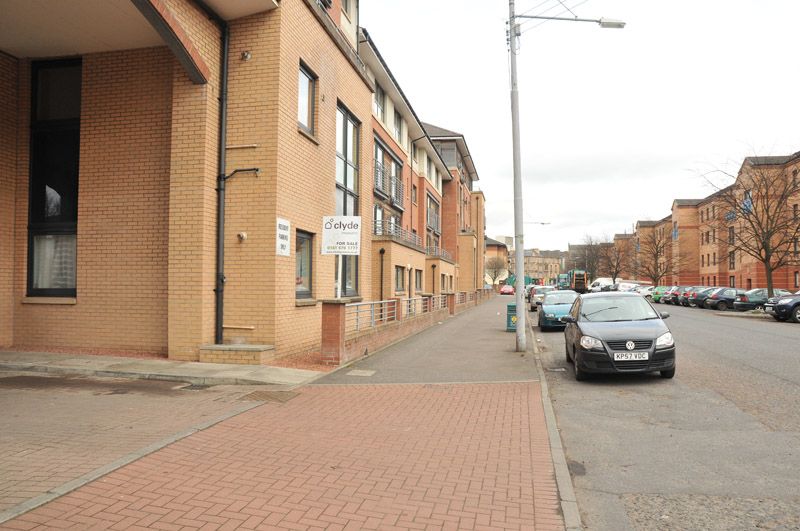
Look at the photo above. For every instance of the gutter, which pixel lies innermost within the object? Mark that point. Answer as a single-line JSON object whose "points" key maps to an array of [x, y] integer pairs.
{"points": [[219, 289]]}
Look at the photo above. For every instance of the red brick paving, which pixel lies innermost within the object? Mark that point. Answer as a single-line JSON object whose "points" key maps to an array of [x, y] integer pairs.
{"points": [[453, 456]]}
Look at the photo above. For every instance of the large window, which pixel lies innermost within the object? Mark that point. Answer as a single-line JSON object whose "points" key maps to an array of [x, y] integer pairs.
{"points": [[303, 255], [731, 236], [418, 280], [731, 260], [347, 178], [306, 90], [398, 127], [53, 204]]}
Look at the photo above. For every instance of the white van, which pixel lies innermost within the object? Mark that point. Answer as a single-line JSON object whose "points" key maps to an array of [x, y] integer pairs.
{"points": [[599, 284]]}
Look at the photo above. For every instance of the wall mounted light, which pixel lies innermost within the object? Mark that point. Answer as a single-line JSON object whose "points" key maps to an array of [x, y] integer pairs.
{"points": [[246, 55]]}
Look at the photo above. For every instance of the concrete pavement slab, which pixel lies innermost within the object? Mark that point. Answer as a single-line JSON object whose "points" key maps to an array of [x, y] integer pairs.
{"points": [[154, 369]]}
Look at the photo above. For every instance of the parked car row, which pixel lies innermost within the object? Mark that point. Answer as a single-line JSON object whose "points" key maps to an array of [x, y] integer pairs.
{"points": [[783, 306]]}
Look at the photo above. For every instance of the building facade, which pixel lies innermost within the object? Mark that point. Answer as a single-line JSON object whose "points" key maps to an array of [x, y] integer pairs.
{"points": [[164, 176]]}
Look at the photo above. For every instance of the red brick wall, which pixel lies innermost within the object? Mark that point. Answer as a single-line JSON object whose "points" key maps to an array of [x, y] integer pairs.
{"points": [[122, 211], [8, 153]]}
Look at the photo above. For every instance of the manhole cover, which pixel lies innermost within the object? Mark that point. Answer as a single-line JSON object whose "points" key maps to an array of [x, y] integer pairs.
{"points": [[270, 396], [360, 372]]}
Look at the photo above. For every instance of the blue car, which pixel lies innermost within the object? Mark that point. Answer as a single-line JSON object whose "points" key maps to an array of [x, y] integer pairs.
{"points": [[554, 306]]}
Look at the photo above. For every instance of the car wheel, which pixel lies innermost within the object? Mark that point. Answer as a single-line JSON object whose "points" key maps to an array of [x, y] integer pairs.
{"points": [[566, 353], [722, 306], [796, 314], [669, 373]]}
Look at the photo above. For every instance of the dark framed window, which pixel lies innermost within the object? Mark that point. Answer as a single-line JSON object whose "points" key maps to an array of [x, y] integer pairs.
{"points": [[306, 98], [399, 278], [731, 260], [418, 280], [303, 265], [347, 189], [53, 182], [414, 194], [732, 281], [398, 127], [731, 236]]}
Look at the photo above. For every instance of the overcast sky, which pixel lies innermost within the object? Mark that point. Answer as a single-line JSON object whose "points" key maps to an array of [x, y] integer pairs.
{"points": [[615, 124]]}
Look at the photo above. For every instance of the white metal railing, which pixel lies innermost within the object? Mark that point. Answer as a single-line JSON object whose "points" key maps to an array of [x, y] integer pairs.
{"points": [[414, 306], [385, 227], [461, 297], [365, 315], [388, 185], [438, 251], [438, 302], [471, 296]]}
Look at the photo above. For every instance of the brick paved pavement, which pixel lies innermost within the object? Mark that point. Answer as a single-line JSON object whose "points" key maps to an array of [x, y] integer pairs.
{"points": [[54, 430], [413, 456]]}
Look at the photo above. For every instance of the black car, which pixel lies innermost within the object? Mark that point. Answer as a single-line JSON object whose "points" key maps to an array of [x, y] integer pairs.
{"points": [[618, 333], [723, 299], [699, 298], [756, 298], [684, 299], [786, 308]]}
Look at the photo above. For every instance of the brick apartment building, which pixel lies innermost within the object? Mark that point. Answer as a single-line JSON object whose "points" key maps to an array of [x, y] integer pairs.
{"points": [[499, 250], [698, 242], [165, 166]]}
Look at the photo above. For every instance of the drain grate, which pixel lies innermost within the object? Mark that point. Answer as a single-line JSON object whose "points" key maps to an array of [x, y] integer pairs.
{"points": [[270, 396]]}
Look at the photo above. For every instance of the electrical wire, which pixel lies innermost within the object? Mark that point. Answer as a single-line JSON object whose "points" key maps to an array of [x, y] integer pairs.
{"points": [[557, 15]]}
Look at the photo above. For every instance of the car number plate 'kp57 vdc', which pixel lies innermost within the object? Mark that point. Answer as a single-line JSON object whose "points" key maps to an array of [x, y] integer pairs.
{"points": [[630, 356]]}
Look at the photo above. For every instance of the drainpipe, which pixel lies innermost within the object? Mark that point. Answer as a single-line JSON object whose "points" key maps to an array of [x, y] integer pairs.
{"points": [[219, 289], [383, 252]]}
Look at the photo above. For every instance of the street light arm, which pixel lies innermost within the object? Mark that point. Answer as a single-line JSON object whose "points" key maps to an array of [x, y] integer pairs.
{"points": [[603, 22]]}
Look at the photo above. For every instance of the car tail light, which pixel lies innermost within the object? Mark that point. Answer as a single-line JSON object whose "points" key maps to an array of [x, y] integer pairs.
{"points": [[714, 296], [743, 298]]}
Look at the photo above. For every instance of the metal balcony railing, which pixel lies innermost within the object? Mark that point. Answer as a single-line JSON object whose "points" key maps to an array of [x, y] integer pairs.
{"points": [[439, 252], [388, 185], [384, 227]]}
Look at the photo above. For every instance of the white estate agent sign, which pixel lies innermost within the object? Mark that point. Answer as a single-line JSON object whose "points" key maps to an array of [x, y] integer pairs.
{"points": [[341, 235], [284, 238]]}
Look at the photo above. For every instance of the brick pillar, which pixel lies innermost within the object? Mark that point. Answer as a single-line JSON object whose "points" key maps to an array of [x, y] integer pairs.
{"points": [[333, 330], [399, 314], [8, 157], [192, 216], [451, 303]]}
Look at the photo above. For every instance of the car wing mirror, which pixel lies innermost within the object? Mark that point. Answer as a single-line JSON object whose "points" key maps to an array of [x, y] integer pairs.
{"points": [[567, 319], [538, 303], [664, 315]]}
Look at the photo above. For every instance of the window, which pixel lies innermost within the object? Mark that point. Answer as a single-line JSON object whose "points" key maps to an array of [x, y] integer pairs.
{"points": [[749, 284], [398, 127], [731, 236], [701, 216], [306, 91], [732, 281], [347, 179], [399, 278], [796, 250], [702, 260], [379, 103], [797, 279], [303, 254], [414, 194], [418, 280], [429, 169], [347, 8], [444, 282], [53, 183], [714, 235], [731, 260], [715, 259], [379, 229]]}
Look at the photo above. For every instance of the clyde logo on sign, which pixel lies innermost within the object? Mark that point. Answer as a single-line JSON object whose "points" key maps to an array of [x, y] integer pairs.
{"points": [[341, 235]]}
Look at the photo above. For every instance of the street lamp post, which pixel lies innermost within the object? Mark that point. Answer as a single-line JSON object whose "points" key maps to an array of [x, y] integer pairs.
{"points": [[519, 246]]}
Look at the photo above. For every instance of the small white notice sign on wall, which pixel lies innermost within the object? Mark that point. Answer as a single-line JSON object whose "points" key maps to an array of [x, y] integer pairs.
{"points": [[284, 238], [341, 235]]}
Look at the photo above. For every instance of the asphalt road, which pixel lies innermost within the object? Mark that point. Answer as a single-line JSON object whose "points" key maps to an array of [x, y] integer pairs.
{"points": [[717, 447]]}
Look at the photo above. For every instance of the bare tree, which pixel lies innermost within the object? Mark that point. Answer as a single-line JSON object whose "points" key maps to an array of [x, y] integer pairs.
{"points": [[616, 258], [592, 250], [495, 267], [759, 213], [654, 257]]}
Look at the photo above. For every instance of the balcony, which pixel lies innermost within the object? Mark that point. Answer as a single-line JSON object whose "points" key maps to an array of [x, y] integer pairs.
{"points": [[388, 186], [395, 232], [439, 253]]}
